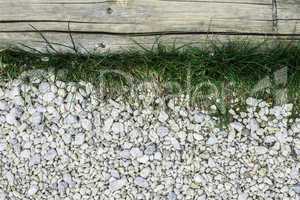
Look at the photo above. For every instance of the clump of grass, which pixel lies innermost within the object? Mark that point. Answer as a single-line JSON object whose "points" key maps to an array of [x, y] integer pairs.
{"points": [[222, 71]]}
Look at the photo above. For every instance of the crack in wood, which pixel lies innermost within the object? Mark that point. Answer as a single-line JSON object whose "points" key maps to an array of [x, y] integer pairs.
{"points": [[62, 21], [159, 33], [83, 2]]}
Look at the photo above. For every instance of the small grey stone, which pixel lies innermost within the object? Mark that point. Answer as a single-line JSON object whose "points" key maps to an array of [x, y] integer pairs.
{"points": [[36, 118], [117, 184], [212, 140], [117, 128], [172, 196], [25, 154], [296, 188], [11, 118], [70, 119], [51, 154], [115, 173], [243, 196], [141, 182], [199, 117], [163, 116], [125, 154], [79, 139], [107, 124], [145, 172], [33, 189], [253, 125], [35, 160], [150, 149], [86, 124], [2, 195], [260, 150], [237, 126], [3, 105], [48, 97], [175, 143], [66, 138], [162, 131], [252, 102], [44, 87], [2, 146], [136, 152], [62, 186], [68, 179], [10, 177]]}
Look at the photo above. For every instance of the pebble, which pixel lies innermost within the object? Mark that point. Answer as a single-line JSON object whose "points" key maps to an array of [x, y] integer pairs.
{"points": [[237, 126], [163, 116], [44, 87], [296, 188], [51, 154], [33, 189], [36, 118], [141, 182], [86, 124], [35, 160], [136, 152], [117, 128], [79, 139], [117, 184], [199, 118], [175, 143], [150, 149], [162, 131], [25, 154], [261, 150], [172, 196], [49, 97], [145, 172], [212, 140]]}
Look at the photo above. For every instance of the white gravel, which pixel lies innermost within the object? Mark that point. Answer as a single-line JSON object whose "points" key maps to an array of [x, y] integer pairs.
{"points": [[60, 141]]}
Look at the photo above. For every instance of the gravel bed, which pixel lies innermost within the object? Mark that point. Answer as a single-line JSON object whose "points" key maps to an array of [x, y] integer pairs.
{"points": [[59, 141]]}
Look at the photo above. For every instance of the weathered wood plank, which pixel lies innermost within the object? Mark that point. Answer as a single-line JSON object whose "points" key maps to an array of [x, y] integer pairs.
{"points": [[261, 2], [114, 24], [139, 16], [288, 16], [103, 43]]}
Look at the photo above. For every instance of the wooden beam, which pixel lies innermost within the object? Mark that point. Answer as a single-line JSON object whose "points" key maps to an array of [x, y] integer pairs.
{"points": [[116, 22]]}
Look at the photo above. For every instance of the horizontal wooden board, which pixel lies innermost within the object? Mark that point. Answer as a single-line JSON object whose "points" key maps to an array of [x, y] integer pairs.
{"points": [[288, 16], [137, 16], [114, 24], [103, 43]]}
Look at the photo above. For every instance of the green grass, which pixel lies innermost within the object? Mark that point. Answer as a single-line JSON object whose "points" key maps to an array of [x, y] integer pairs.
{"points": [[234, 68]]}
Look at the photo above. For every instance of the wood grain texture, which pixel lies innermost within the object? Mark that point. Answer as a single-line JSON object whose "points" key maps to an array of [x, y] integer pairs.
{"points": [[115, 22], [113, 43], [139, 16], [288, 16]]}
